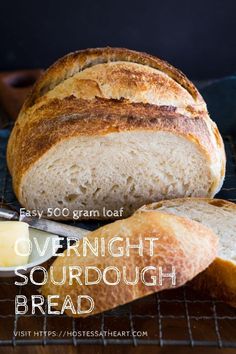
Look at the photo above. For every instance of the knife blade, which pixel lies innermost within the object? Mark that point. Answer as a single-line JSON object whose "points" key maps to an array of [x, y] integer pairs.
{"points": [[45, 225]]}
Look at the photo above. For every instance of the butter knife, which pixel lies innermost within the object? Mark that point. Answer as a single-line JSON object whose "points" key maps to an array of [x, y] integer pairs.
{"points": [[45, 225]]}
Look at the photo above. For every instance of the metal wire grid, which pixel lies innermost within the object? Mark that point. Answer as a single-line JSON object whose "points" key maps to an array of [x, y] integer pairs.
{"points": [[171, 318]]}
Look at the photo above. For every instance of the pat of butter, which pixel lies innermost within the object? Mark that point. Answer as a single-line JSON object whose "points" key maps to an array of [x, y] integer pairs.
{"points": [[14, 245]]}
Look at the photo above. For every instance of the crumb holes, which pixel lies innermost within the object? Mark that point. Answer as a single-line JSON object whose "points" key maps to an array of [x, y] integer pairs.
{"points": [[196, 219], [71, 197], [83, 189], [73, 168], [73, 180], [132, 188], [129, 180], [96, 192], [60, 202], [56, 161], [114, 188]]}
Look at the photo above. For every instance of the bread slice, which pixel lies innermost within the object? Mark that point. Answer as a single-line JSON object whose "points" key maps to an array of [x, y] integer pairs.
{"points": [[219, 280], [112, 127], [186, 245]]}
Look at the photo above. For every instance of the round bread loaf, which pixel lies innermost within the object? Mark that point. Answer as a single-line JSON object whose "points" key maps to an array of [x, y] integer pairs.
{"points": [[116, 128]]}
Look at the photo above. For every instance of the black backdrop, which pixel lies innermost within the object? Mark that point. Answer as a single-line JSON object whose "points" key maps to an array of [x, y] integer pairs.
{"points": [[197, 36]]}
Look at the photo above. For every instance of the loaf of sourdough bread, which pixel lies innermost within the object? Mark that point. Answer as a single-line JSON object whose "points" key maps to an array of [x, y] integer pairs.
{"points": [[182, 245], [219, 280], [116, 128]]}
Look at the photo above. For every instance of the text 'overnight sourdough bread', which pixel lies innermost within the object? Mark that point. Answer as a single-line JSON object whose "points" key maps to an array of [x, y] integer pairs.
{"points": [[116, 128], [219, 280], [182, 244]]}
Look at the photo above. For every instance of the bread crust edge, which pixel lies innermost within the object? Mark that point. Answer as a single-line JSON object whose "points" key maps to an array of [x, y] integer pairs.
{"points": [[219, 279]]}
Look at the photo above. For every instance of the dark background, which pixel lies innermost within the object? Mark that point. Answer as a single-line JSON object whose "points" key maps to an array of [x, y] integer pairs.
{"points": [[199, 37]]}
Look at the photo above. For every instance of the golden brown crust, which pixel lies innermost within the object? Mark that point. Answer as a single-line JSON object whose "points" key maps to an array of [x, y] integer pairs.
{"points": [[80, 60], [179, 245], [71, 117], [218, 281]]}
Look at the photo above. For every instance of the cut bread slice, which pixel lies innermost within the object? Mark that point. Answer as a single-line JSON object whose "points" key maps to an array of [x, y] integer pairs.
{"points": [[219, 280], [182, 246]]}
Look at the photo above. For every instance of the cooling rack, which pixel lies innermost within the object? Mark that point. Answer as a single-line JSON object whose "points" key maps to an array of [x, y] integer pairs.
{"points": [[178, 317]]}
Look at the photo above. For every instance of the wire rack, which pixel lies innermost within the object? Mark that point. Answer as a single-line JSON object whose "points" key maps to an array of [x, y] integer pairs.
{"points": [[170, 318]]}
